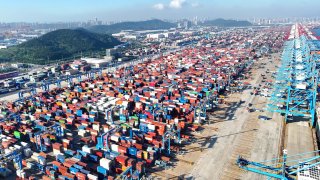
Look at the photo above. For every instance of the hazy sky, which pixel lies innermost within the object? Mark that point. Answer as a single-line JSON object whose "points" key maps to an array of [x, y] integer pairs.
{"points": [[109, 10]]}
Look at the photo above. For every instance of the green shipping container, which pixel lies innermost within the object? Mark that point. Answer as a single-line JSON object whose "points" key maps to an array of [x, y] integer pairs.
{"points": [[17, 134]]}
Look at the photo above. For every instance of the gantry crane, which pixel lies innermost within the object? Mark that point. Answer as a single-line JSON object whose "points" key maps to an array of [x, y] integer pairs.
{"points": [[171, 133], [14, 116], [14, 156], [109, 113], [31, 91], [200, 112], [126, 174], [55, 128], [286, 167], [158, 111], [45, 86], [295, 89], [103, 143]]}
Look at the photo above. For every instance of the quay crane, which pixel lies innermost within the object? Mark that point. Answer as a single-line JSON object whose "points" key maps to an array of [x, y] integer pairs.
{"points": [[286, 167], [14, 156]]}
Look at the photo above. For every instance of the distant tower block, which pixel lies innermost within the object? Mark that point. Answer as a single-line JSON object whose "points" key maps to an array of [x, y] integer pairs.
{"points": [[108, 52]]}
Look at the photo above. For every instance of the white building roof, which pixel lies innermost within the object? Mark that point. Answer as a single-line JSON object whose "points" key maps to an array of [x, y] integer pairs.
{"points": [[95, 60]]}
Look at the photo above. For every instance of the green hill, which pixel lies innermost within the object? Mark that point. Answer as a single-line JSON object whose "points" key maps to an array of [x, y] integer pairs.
{"points": [[59, 44], [136, 26], [226, 23]]}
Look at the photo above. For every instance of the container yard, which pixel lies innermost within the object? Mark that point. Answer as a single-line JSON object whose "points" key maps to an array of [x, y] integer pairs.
{"points": [[205, 111]]}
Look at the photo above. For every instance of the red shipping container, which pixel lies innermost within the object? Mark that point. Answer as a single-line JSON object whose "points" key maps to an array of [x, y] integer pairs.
{"points": [[70, 176], [122, 160], [140, 166], [44, 177], [24, 163], [48, 171], [152, 134], [122, 149], [84, 165], [94, 138], [81, 176], [63, 169], [99, 153], [138, 146], [164, 158], [56, 163]]}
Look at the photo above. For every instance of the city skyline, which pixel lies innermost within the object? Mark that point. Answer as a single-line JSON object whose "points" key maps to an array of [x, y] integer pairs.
{"points": [[126, 10]]}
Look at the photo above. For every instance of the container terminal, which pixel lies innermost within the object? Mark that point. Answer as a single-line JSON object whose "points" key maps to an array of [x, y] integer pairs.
{"points": [[239, 104]]}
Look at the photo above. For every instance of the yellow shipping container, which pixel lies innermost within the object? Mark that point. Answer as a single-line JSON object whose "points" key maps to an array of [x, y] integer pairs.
{"points": [[119, 102], [145, 155], [123, 168]]}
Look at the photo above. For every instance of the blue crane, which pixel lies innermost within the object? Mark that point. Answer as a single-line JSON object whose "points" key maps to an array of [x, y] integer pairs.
{"points": [[14, 156], [125, 174], [103, 139], [45, 86], [14, 116], [168, 135], [32, 91], [109, 113], [158, 111], [79, 77], [69, 80], [58, 83], [295, 89], [93, 73], [55, 128], [200, 112], [284, 168]]}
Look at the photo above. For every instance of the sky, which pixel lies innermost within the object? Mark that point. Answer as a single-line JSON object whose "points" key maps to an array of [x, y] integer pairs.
{"points": [[134, 10]]}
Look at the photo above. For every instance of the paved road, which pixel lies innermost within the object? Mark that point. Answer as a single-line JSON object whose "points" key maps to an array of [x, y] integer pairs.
{"points": [[245, 135]]}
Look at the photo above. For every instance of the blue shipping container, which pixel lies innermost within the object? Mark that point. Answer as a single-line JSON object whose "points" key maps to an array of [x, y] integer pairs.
{"points": [[79, 112], [93, 157], [84, 171], [102, 170], [73, 170], [132, 151], [77, 166]]}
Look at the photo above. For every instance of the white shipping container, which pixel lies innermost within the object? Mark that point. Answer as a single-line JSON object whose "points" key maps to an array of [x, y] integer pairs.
{"points": [[17, 147], [125, 103], [92, 177], [114, 138], [152, 127], [66, 141], [21, 174], [126, 97], [34, 158], [29, 165], [301, 86], [24, 144], [96, 127], [86, 149], [106, 163], [56, 152], [7, 151], [114, 147]]}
